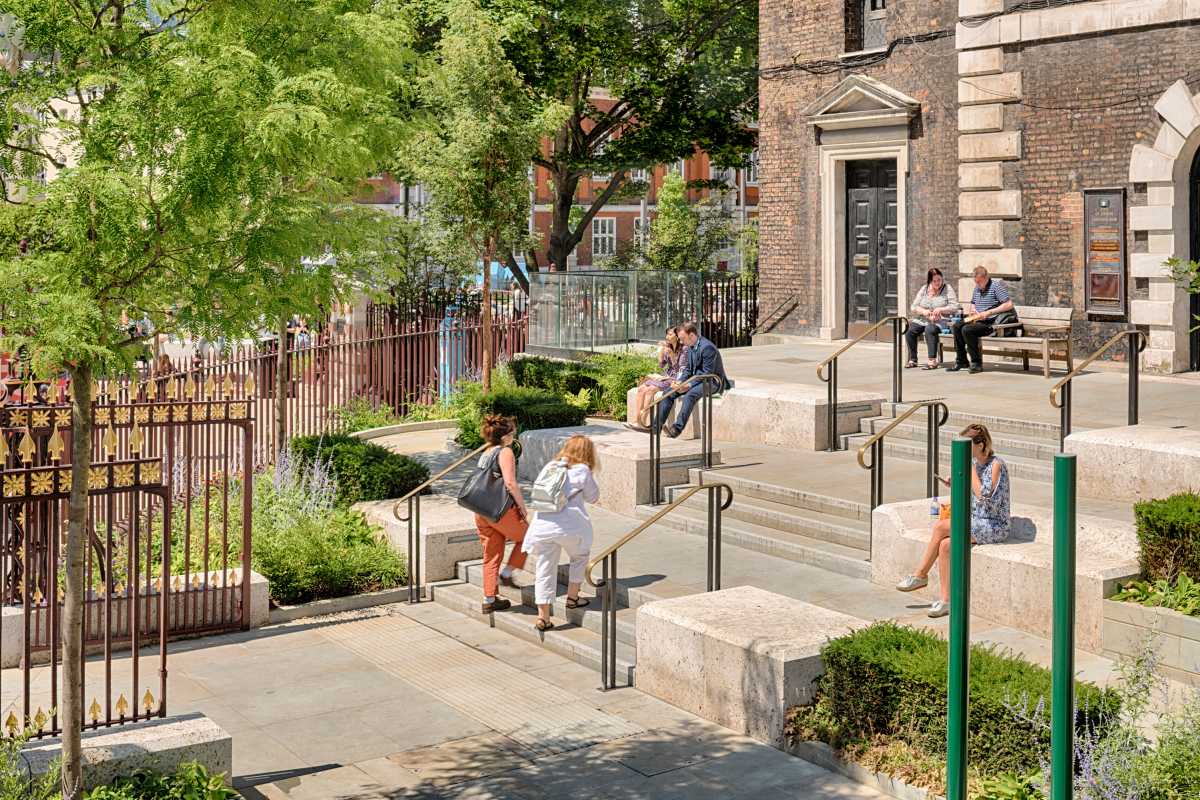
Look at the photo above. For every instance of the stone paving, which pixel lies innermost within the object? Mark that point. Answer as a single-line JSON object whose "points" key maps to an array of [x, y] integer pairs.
{"points": [[419, 701]]}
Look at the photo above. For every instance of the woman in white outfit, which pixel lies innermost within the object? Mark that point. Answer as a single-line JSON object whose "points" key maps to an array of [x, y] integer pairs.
{"points": [[569, 530]]}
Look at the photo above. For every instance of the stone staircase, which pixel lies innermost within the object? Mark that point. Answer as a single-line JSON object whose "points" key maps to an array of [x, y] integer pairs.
{"points": [[1027, 447], [798, 526]]}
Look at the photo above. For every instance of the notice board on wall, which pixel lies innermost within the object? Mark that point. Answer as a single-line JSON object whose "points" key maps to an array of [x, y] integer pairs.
{"points": [[1104, 251]]}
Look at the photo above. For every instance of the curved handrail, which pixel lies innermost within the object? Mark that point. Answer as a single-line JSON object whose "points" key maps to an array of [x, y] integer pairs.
{"points": [[1056, 391], [666, 395], [821, 367], [724, 488], [439, 476], [943, 415]]}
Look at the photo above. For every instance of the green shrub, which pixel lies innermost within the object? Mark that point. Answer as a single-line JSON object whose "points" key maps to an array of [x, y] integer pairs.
{"points": [[191, 782], [616, 374], [532, 408], [334, 555], [360, 415], [15, 780], [559, 377], [889, 679], [1169, 536], [1181, 594], [362, 470]]}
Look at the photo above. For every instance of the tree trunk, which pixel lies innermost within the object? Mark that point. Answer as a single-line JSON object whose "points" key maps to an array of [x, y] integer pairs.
{"points": [[73, 589], [281, 386], [562, 240], [486, 323]]}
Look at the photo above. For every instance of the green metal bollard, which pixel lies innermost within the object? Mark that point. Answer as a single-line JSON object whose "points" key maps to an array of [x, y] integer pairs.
{"points": [[1062, 701], [960, 616]]}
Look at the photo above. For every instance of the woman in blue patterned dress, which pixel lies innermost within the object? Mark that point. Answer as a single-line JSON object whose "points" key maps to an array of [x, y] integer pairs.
{"points": [[990, 517]]}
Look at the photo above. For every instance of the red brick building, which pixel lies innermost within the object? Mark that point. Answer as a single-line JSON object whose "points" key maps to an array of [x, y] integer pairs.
{"points": [[1054, 143], [619, 224]]}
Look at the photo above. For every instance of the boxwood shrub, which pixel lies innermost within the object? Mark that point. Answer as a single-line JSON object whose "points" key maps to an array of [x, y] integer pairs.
{"points": [[891, 680], [363, 470], [532, 408], [1169, 536], [607, 378]]}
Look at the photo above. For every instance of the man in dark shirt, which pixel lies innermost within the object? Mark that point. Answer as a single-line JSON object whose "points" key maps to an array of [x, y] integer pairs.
{"points": [[990, 299]]}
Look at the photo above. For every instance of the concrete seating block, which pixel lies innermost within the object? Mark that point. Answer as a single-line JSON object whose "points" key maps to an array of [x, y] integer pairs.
{"points": [[738, 657], [1011, 582], [447, 531], [624, 455], [161, 745], [1139, 462], [787, 414]]}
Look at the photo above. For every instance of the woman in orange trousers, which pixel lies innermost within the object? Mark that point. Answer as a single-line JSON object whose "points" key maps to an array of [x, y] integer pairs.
{"points": [[499, 432]]}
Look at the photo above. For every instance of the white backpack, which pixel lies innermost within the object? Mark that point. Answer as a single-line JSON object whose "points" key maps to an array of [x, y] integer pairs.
{"points": [[550, 489]]}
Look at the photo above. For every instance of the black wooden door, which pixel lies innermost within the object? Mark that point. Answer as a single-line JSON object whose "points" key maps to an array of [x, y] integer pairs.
{"points": [[871, 246], [1194, 318]]}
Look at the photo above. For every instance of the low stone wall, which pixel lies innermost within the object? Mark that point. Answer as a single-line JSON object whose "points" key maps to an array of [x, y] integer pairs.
{"points": [[739, 657], [161, 745], [1011, 582], [1129, 627], [406, 427], [447, 531], [1136, 462], [12, 620], [624, 455]]}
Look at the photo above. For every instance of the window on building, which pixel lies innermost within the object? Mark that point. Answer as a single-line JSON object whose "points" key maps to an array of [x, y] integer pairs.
{"points": [[604, 236], [723, 174], [866, 24], [639, 175], [641, 234], [600, 177], [752, 170]]}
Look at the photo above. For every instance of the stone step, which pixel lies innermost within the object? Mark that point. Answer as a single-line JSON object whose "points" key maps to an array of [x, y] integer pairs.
{"points": [[587, 617], [785, 495], [576, 643], [1018, 468], [786, 518], [769, 541], [913, 429], [959, 419]]}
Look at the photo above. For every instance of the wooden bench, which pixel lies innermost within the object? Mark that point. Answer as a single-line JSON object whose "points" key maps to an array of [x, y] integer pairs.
{"points": [[1043, 332]]}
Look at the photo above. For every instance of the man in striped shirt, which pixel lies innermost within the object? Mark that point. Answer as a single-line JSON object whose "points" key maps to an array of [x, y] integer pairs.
{"points": [[989, 300]]}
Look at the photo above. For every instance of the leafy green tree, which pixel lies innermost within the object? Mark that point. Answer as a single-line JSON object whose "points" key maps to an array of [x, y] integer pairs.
{"points": [[683, 235], [196, 152], [1187, 275], [474, 154], [645, 82]]}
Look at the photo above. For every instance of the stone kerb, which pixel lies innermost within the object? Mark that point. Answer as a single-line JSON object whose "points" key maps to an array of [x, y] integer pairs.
{"points": [[1011, 582], [624, 455], [1175, 637], [791, 415], [739, 657], [12, 620], [447, 531], [1136, 463], [161, 746]]}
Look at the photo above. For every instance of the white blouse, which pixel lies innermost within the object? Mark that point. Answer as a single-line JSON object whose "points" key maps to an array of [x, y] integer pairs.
{"points": [[573, 519]]}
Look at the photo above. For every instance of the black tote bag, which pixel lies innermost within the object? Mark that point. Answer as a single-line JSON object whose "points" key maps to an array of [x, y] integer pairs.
{"points": [[484, 491]]}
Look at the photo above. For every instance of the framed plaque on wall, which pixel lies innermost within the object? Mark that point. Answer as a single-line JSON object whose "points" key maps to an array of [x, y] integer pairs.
{"points": [[1104, 278]]}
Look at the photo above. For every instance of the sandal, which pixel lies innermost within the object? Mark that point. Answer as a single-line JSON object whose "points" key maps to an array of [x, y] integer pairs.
{"points": [[578, 602], [930, 366], [910, 364], [543, 625]]}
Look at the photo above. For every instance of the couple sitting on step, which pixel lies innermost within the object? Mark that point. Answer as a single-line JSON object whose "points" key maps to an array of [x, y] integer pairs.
{"points": [[561, 524], [683, 356], [990, 517]]}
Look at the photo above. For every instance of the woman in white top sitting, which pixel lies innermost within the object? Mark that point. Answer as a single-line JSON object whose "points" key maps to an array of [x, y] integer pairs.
{"points": [[569, 530], [934, 306]]}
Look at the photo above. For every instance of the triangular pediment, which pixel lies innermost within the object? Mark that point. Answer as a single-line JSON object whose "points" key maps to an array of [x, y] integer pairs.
{"points": [[861, 102]]}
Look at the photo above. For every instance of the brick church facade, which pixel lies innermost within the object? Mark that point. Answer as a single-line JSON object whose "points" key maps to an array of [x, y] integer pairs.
{"points": [[1054, 143]]}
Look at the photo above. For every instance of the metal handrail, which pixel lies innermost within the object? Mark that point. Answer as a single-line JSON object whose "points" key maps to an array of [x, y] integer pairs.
{"points": [[656, 423], [606, 588], [939, 412], [899, 323], [1060, 394], [413, 499]]}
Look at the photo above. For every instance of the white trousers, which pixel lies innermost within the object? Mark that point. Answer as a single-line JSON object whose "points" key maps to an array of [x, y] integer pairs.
{"points": [[546, 553]]}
